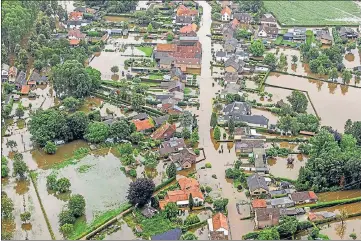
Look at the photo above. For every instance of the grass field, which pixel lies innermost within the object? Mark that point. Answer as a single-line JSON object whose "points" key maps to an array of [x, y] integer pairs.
{"points": [[314, 13], [147, 50]]}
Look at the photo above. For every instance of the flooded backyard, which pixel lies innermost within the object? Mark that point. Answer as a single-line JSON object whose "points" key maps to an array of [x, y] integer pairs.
{"points": [[279, 168], [327, 98]]}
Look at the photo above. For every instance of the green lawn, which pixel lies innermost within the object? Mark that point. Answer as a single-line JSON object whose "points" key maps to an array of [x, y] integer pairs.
{"points": [[280, 41], [156, 76], [314, 13], [147, 50], [187, 90], [310, 37]]}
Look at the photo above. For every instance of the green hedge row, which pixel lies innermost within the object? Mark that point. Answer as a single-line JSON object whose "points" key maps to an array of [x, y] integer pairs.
{"points": [[163, 184], [194, 226]]}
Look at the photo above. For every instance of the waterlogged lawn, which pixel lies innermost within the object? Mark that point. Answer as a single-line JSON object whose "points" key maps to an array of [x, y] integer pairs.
{"points": [[147, 50], [314, 13]]}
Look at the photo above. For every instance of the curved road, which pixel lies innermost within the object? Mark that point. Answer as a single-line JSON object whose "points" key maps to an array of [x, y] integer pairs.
{"points": [[219, 161]]}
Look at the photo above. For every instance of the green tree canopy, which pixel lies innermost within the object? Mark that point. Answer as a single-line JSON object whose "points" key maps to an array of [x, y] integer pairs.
{"points": [[298, 101], [257, 48], [97, 132]]}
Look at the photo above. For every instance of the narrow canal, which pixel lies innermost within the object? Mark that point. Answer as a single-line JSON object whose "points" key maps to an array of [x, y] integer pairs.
{"points": [[219, 161]]}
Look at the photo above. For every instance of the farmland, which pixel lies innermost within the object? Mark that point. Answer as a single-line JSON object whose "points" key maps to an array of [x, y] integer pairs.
{"points": [[314, 13]]}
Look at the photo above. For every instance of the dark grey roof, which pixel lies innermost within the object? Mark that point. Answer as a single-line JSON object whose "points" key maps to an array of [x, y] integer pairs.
{"points": [[163, 96], [231, 77], [161, 119], [231, 88], [171, 146], [255, 182], [249, 144], [221, 54], [288, 34], [166, 60], [259, 155], [140, 116], [265, 214], [243, 17], [280, 201], [21, 79], [173, 234], [324, 34], [183, 19], [159, 55], [237, 108], [35, 76], [267, 17], [251, 119], [80, 9]]}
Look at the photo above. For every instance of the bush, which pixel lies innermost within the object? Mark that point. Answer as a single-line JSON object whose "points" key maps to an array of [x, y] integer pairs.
{"points": [[76, 205], [196, 151], [50, 147], [25, 216], [208, 189], [208, 199], [192, 219], [214, 176], [65, 217], [132, 173], [208, 165], [63, 185]]}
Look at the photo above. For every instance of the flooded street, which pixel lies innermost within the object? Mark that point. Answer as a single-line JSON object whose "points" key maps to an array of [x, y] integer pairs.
{"points": [[219, 161], [326, 97]]}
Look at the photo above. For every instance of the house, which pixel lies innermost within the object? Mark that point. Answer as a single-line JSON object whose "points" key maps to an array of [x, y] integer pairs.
{"points": [[74, 42], [243, 18], [172, 86], [160, 120], [217, 236], [13, 73], [275, 193], [166, 62], [184, 11], [171, 146], [227, 33], [171, 109], [299, 34], [260, 160], [324, 36], [25, 89], [242, 55], [4, 72], [188, 30], [140, 116], [231, 88], [184, 159], [165, 132], [266, 31], [230, 77], [181, 197], [226, 14], [258, 203], [75, 15], [230, 45], [173, 234], [282, 202], [237, 107], [183, 20], [257, 185], [347, 33], [320, 215], [241, 132], [75, 34], [221, 56], [303, 197], [71, 24], [234, 24], [143, 125], [34, 78], [266, 217], [187, 63], [218, 223], [116, 32], [177, 74], [288, 36], [20, 80], [269, 20], [233, 65]]}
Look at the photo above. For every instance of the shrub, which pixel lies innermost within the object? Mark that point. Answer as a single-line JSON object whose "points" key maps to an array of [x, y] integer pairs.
{"points": [[192, 219], [196, 151], [208, 165], [63, 185], [132, 173], [25, 216], [65, 217], [214, 176], [208, 189], [76, 205], [50, 147], [208, 200]]}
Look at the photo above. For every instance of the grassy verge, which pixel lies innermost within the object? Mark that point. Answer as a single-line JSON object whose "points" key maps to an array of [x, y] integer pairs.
{"points": [[81, 228], [187, 90], [156, 76], [77, 154], [147, 50]]}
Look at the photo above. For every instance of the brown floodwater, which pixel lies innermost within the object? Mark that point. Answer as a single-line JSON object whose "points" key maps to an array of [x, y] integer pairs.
{"points": [[349, 208], [116, 18], [269, 115], [352, 59], [324, 101], [124, 233], [338, 195], [90, 103], [279, 168], [104, 172], [45, 161]]}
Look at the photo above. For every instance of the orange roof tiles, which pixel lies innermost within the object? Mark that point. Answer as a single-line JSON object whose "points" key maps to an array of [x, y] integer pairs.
{"points": [[142, 125], [177, 195], [220, 221], [160, 132], [31, 83], [186, 183], [184, 11], [312, 195], [235, 23], [189, 28], [75, 15], [226, 10], [74, 41], [259, 203], [166, 47], [25, 89]]}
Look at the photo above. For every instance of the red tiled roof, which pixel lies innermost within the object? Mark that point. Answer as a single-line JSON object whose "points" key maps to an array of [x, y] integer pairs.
{"points": [[142, 125], [177, 195], [192, 61], [76, 33], [75, 15], [166, 47], [25, 89], [159, 133], [235, 23], [259, 203], [74, 41], [31, 82], [186, 183], [184, 11], [189, 28], [312, 195], [226, 10], [220, 221]]}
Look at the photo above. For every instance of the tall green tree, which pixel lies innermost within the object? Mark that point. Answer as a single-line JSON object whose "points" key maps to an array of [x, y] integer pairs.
{"points": [[20, 168], [217, 133], [257, 48], [171, 210], [346, 76], [214, 120], [76, 205], [190, 202], [271, 60], [333, 74], [298, 101], [171, 170], [77, 123], [137, 101], [231, 126], [97, 132], [140, 191]]}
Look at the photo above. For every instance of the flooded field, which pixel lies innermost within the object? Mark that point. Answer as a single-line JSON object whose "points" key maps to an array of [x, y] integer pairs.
{"points": [[116, 18], [90, 103], [124, 233], [101, 171], [349, 208], [352, 59], [330, 196], [326, 97], [279, 168], [271, 117], [338, 230]]}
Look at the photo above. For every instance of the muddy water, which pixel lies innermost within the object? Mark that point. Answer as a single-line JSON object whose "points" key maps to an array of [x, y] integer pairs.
{"points": [[219, 161], [90, 103], [63, 152], [352, 59], [279, 168], [105, 172], [325, 100], [125, 233], [271, 117], [342, 231], [349, 208], [330, 196], [116, 18]]}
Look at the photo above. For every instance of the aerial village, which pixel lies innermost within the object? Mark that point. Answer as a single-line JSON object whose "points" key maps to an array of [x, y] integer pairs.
{"points": [[181, 120]]}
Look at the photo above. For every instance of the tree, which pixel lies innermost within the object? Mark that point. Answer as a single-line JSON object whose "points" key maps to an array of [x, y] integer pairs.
{"points": [[189, 236], [242, 34], [220, 204], [194, 137], [171, 170], [4, 167], [140, 191], [214, 120], [294, 59], [190, 202], [63, 185], [217, 133], [288, 226], [149, 28], [346, 76], [333, 74], [19, 112], [50, 147], [65, 217], [231, 126], [151, 160], [298, 101], [288, 123], [11, 144], [7, 206], [136, 137], [186, 119], [186, 134], [95, 76], [38, 64], [257, 48], [170, 37], [77, 123], [271, 60], [51, 182], [76, 205], [114, 69], [171, 210], [126, 154], [25, 217], [137, 101], [18, 156], [20, 168], [269, 234], [343, 215], [97, 132], [308, 122], [353, 236], [71, 79], [67, 229], [350, 46], [121, 130], [354, 129], [192, 219], [71, 103]]}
